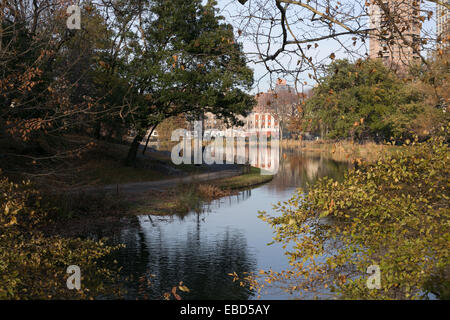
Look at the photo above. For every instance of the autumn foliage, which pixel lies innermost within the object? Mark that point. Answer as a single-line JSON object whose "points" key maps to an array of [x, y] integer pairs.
{"points": [[393, 213]]}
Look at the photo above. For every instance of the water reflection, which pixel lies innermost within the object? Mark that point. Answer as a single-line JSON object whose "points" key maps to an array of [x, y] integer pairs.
{"points": [[300, 170], [200, 249], [166, 252]]}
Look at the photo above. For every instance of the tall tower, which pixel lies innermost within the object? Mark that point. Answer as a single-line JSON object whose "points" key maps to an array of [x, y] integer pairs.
{"points": [[395, 35], [443, 29]]}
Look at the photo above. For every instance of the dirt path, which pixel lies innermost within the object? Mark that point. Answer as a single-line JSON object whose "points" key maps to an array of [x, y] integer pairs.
{"points": [[135, 187]]}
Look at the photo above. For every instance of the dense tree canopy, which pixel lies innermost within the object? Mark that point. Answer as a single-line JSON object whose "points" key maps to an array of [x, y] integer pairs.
{"points": [[188, 62], [364, 100], [130, 66]]}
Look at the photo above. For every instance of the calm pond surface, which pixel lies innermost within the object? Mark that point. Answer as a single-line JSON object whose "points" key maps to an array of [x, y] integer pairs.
{"points": [[201, 249]]}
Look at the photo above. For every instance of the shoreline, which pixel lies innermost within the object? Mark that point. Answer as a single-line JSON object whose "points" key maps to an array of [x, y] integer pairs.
{"points": [[173, 200]]}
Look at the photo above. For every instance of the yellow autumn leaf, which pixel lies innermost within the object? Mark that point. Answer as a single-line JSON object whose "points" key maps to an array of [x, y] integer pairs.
{"points": [[184, 288], [12, 222]]}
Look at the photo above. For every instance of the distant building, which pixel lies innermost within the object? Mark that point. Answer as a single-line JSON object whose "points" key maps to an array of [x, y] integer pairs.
{"points": [[282, 85], [395, 45], [265, 117], [261, 122], [442, 21]]}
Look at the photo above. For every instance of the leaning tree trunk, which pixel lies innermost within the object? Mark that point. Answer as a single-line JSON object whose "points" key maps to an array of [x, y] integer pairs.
{"points": [[132, 153], [148, 139]]}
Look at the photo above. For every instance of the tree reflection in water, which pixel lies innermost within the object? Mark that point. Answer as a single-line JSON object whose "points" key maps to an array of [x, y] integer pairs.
{"points": [[299, 169], [200, 260]]}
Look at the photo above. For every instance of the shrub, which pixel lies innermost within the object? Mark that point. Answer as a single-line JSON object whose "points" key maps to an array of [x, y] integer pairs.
{"points": [[393, 214], [32, 265], [210, 192]]}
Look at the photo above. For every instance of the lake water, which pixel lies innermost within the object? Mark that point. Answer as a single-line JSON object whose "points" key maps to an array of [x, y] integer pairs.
{"points": [[201, 249]]}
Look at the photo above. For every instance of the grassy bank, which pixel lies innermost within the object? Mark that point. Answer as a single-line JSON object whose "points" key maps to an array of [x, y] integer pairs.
{"points": [[253, 178], [106, 209], [190, 197], [105, 165], [341, 150]]}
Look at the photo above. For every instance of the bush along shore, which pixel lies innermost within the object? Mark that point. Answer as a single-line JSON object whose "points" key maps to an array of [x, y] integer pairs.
{"points": [[392, 214]]}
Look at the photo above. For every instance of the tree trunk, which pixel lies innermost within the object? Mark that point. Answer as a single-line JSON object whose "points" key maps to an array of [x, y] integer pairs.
{"points": [[132, 153], [148, 139]]}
